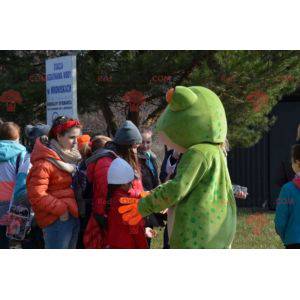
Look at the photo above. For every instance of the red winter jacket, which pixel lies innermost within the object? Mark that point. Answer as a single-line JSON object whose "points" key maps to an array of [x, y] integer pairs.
{"points": [[94, 236], [121, 235], [48, 187]]}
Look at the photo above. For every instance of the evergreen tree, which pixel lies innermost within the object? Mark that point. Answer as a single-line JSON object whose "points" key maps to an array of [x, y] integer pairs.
{"points": [[249, 83]]}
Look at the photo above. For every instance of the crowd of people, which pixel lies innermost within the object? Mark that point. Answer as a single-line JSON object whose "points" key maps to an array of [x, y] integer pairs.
{"points": [[62, 189], [71, 184], [68, 185]]}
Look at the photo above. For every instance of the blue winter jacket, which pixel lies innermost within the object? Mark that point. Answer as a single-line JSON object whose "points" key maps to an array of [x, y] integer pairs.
{"points": [[287, 219], [14, 167]]}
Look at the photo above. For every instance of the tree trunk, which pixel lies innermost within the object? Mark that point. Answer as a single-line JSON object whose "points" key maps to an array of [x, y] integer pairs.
{"points": [[109, 118], [134, 117]]}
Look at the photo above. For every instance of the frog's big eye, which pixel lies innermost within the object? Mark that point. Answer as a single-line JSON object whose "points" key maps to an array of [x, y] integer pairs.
{"points": [[181, 98]]}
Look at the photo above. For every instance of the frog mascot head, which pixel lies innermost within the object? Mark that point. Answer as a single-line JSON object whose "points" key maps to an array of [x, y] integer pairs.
{"points": [[200, 201], [194, 115]]}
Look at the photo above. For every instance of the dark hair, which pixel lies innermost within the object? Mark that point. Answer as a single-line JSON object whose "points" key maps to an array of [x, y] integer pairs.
{"points": [[9, 131], [60, 120], [296, 153], [110, 190], [126, 152]]}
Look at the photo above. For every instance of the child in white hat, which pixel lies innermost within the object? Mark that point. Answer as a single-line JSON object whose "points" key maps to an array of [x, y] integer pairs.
{"points": [[121, 235], [120, 173]]}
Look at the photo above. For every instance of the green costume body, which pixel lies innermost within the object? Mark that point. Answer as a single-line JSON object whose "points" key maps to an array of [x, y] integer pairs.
{"points": [[201, 194]]}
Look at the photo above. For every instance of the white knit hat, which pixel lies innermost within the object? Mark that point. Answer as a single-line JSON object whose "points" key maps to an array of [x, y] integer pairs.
{"points": [[120, 172]]}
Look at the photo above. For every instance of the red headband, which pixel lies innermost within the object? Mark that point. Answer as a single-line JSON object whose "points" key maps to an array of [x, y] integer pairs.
{"points": [[58, 129]]}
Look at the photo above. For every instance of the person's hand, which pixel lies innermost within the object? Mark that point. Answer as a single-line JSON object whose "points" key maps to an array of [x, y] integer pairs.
{"points": [[101, 220], [144, 194], [164, 211], [150, 233], [241, 195], [170, 169], [64, 217], [129, 210]]}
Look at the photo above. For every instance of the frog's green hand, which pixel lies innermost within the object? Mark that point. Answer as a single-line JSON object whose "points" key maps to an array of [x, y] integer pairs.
{"points": [[191, 169]]}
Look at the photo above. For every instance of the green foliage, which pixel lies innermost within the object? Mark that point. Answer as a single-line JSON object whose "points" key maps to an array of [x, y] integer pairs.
{"points": [[249, 83], [23, 71]]}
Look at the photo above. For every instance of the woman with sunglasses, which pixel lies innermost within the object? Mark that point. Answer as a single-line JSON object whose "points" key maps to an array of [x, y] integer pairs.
{"points": [[54, 161]]}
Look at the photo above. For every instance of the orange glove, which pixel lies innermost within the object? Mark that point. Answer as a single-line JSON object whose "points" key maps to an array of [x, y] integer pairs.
{"points": [[129, 211]]}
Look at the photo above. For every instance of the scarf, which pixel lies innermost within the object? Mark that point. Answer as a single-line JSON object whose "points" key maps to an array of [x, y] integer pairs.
{"points": [[70, 158], [150, 164]]}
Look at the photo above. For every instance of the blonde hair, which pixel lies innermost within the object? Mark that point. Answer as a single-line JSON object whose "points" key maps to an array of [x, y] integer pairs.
{"points": [[225, 146], [298, 133], [85, 151], [146, 130], [99, 141]]}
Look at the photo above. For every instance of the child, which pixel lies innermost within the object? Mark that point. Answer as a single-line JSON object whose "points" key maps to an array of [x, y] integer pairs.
{"points": [[14, 167], [120, 235], [287, 219], [149, 172], [83, 145], [98, 142]]}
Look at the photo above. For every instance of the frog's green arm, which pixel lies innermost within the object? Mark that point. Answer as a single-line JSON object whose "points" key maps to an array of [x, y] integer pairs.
{"points": [[191, 168]]}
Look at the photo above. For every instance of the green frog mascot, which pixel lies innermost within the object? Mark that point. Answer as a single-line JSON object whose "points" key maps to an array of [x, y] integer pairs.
{"points": [[200, 201]]}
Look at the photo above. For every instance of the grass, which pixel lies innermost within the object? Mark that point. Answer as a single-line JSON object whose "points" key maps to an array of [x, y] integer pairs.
{"points": [[255, 230]]}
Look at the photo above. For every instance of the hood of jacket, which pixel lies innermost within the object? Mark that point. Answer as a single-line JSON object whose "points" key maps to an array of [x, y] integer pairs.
{"points": [[99, 154], [42, 151], [10, 149]]}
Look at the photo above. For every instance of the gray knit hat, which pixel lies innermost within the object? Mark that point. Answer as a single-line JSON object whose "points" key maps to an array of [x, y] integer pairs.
{"points": [[33, 132], [128, 134]]}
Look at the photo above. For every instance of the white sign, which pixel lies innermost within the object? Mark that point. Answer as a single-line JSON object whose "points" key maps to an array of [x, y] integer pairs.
{"points": [[61, 88]]}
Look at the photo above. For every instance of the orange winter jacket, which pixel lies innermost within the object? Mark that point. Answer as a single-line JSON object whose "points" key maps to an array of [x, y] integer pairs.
{"points": [[49, 188]]}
